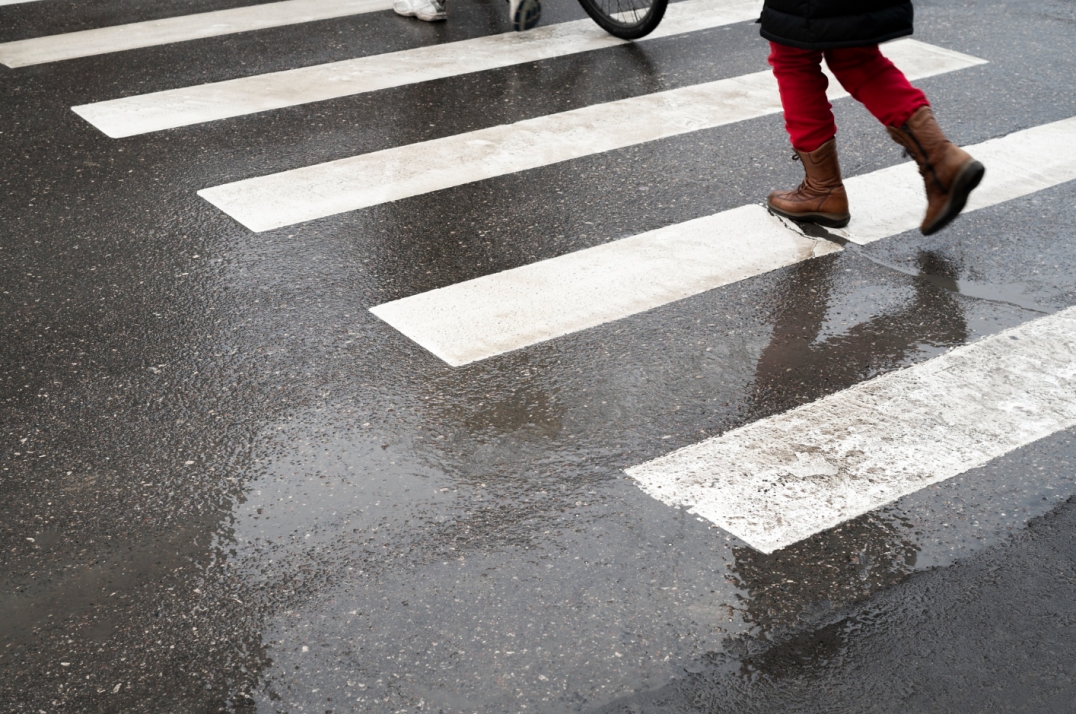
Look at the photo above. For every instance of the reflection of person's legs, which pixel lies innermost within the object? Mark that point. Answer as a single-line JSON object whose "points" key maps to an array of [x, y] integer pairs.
{"points": [[809, 120], [787, 371]]}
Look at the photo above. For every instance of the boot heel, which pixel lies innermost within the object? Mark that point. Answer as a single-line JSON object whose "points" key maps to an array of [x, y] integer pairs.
{"points": [[967, 180], [829, 220]]}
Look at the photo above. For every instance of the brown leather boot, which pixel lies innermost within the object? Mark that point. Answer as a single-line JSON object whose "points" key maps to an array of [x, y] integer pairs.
{"points": [[821, 197], [949, 172]]}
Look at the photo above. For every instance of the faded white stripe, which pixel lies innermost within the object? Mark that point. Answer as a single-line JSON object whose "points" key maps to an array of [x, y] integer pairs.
{"points": [[516, 308], [502, 312], [85, 43], [247, 95], [785, 478], [282, 199]]}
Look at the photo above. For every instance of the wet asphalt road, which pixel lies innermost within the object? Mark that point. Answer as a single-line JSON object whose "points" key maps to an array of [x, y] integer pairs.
{"points": [[225, 485]]}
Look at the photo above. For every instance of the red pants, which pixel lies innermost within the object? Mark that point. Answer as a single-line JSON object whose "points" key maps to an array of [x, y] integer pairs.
{"points": [[862, 71]]}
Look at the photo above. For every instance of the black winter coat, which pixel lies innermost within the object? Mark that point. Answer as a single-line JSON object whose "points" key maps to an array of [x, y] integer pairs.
{"points": [[828, 24]]}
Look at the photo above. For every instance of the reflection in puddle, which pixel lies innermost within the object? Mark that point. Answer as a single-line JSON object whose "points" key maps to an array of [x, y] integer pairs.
{"points": [[320, 485], [813, 353], [803, 363], [480, 557], [801, 654], [840, 566]]}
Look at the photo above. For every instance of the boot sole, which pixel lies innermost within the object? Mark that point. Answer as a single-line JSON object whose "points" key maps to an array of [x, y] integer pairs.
{"points": [[829, 220], [966, 181]]}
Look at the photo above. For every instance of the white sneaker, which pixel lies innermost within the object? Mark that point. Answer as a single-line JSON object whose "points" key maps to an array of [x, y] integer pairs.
{"points": [[425, 10], [524, 14]]}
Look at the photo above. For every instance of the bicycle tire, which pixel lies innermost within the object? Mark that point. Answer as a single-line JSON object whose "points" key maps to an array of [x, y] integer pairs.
{"points": [[613, 16]]}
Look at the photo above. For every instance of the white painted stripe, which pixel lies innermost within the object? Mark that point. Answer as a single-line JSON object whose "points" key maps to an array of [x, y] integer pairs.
{"points": [[517, 308], [247, 95], [497, 313], [303, 194], [16, 2], [85, 43], [785, 478]]}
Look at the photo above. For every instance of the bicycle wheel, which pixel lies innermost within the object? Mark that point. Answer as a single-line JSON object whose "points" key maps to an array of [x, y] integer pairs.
{"points": [[626, 19]]}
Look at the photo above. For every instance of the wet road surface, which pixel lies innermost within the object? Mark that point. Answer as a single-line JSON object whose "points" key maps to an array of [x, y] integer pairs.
{"points": [[227, 486]]}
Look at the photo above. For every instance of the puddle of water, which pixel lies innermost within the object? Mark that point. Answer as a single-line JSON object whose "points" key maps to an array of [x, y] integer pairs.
{"points": [[1017, 294]]}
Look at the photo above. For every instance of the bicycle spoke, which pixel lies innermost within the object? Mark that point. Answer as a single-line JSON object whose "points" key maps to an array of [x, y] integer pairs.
{"points": [[627, 19], [626, 12]]}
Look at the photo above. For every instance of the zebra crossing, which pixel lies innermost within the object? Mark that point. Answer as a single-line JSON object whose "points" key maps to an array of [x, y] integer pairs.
{"points": [[770, 483], [311, 192], [140, 114], [780, 480], [105, 40], [499, 313]]}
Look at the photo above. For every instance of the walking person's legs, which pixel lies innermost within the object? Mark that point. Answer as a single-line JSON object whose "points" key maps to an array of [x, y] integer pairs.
{"points": [[874, 81], [425, 10], [949, 173], [809, 120], [523, 14]]}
